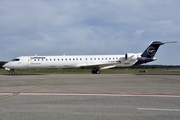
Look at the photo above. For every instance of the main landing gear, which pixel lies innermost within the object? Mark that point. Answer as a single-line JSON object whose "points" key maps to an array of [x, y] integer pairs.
{"points": [[95, 71]]}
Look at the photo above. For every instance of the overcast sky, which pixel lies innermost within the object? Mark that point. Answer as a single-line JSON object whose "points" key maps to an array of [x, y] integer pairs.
{"points": [[75, 27]]}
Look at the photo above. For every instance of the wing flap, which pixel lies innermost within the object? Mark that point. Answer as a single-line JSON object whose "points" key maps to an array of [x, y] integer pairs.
{"points": [[98, 65]]}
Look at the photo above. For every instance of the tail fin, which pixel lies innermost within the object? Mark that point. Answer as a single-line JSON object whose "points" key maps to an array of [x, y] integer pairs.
{"points": [[148, 54], [152, 49]]}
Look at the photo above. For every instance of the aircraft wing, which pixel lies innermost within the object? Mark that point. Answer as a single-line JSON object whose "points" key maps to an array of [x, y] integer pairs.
{"points": [[99, 65]]}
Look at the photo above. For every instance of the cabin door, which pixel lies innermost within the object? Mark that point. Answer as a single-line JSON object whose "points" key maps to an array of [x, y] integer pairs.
{"points": [[26, 61]]}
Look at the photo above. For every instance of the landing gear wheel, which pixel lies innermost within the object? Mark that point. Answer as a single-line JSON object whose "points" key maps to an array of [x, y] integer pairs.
{"points": [[95, 71], [98, 72]]}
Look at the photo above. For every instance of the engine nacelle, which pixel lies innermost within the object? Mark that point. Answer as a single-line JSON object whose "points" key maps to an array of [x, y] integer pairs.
{"points": [[132, 56]]}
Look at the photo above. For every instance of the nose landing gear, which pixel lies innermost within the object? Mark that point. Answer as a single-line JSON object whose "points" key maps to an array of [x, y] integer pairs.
{"points": [[13, 71]]}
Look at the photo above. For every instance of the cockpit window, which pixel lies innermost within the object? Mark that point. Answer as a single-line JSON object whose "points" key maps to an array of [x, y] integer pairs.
{"points": [[15, 60]]}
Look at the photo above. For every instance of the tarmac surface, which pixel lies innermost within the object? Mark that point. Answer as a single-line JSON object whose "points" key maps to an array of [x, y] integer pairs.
{"points": [[89, 97]]}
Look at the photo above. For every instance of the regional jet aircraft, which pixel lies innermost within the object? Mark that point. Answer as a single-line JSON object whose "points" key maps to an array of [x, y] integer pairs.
{"points": [[95, 62]]}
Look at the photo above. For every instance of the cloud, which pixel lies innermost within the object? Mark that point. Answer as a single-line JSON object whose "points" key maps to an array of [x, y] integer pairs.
{"points": [[87, 27], [138, 34]]}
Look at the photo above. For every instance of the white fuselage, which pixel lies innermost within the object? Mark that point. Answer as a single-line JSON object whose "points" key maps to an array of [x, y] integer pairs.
{"points": [[80, 61], [95, 62]]}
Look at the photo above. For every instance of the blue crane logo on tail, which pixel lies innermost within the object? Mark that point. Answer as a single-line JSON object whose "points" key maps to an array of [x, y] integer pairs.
{"points": [[151, 51]]}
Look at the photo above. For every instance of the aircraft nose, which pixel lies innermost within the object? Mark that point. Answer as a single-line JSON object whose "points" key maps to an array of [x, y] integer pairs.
{"points": [[4, 65]]}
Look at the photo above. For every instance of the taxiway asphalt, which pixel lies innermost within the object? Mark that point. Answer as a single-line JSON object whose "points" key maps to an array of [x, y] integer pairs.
{"points": [[87, 96]]}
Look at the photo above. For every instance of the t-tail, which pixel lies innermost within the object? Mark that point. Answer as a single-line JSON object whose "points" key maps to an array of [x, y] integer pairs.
{"points": [[149, 53]]}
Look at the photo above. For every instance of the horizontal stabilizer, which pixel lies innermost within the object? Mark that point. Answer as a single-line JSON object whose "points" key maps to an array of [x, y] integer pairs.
{"points": [[170, 42]]}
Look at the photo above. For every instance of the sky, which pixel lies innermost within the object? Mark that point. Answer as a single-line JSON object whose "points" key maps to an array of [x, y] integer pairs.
{"points": [[86, 27]]}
